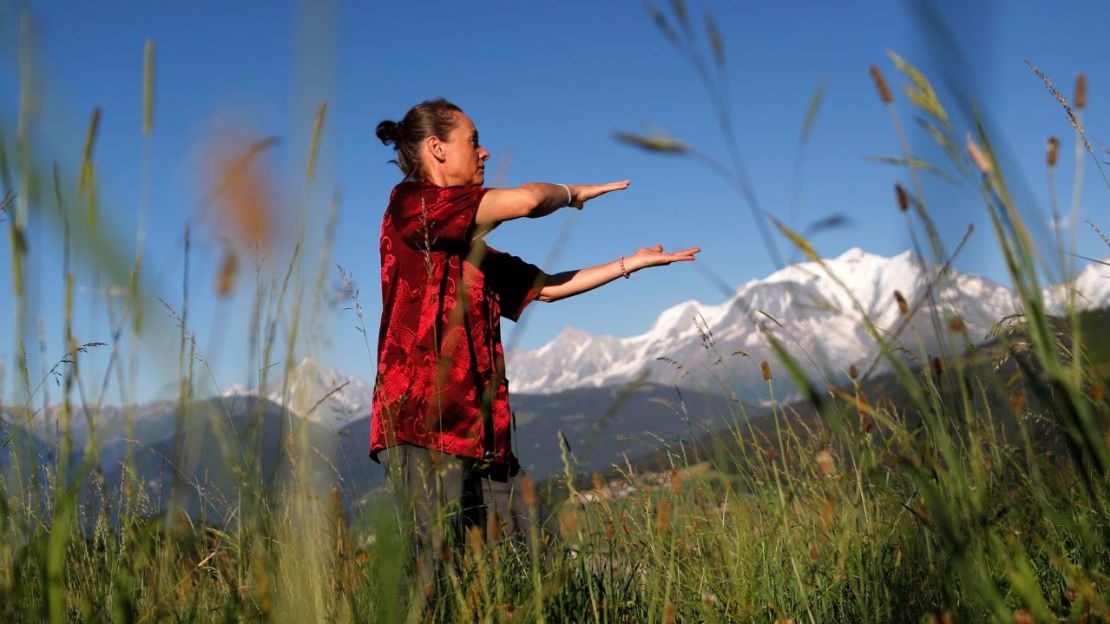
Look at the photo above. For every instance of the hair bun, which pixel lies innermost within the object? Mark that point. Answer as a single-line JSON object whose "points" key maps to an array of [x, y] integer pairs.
{"points": [[388, 131]]}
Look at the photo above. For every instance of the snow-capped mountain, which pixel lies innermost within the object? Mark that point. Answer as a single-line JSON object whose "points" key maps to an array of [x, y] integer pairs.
{"points": [[816, 316], [1091, 287], [327, 396]]}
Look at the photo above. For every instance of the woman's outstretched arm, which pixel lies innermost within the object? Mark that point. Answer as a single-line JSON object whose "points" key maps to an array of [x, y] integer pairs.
{"points": [[537, 199], [570, 283]]}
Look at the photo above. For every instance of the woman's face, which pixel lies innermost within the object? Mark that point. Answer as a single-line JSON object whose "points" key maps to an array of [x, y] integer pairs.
{"points": [[464, 160]]}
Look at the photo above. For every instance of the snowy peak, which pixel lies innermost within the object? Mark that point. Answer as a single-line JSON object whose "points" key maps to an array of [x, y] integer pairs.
{"points": [[820, 306], [1090, 287], [324, 395]]}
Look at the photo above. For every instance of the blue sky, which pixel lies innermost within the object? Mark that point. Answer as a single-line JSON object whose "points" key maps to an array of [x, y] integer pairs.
{"points": [[547, 84]]}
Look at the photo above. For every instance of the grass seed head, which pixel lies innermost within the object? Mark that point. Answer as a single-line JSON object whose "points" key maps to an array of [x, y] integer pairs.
{"points": [[242, 192], [1021, 616], [765, 367], [262, 582], [903, 197], [528, 492], [1051, 151], [676, 483], [826, 462], [772, 454], [493, 527], [903, 306], [938, 366], [853, 372], [813, 552], [1080, 99], [1017, 401], [956, 324], [941, 617], [663, 515], [880, 84], [599, 483], [977, 155], [229, 270], [1098, 392], [656, 143], [828, 514], [669, 614], [474, 540]]}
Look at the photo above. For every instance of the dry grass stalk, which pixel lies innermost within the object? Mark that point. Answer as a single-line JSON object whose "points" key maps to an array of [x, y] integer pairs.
{"points": [[1072, 118]]}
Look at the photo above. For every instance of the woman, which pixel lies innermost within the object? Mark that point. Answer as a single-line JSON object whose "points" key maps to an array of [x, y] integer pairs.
{"points": [[441, 418]]}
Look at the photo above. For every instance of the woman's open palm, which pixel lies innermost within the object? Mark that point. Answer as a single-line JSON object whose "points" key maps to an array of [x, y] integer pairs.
{"points": [[655, 256]]}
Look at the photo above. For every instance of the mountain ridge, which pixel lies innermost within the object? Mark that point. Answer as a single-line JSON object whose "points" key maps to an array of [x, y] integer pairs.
{"points": [[797, 300]]}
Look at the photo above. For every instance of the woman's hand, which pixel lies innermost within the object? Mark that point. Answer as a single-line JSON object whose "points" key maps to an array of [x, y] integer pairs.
{"points": [[570, 283], [655, 256], [582, 193]]}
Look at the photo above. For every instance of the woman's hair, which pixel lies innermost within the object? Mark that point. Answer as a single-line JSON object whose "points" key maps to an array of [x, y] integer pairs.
{"points": [[431, 118]]}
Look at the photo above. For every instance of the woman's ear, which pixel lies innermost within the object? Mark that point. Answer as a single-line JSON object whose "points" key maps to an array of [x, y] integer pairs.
{"points": [[435, 148]]}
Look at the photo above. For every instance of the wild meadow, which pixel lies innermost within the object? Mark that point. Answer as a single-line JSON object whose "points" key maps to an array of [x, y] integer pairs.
{"points": [[967, 485]]}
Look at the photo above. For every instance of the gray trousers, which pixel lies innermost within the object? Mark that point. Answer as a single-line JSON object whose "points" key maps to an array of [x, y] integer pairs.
{"points": [[443, 496]]}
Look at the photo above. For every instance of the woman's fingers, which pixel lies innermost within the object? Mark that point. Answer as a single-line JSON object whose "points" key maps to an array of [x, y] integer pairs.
{"points": [[601, 189], [586, 192], [655, 255]]}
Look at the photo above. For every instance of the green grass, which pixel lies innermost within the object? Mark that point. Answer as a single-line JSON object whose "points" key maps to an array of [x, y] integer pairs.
{"points": [[974, 488]]}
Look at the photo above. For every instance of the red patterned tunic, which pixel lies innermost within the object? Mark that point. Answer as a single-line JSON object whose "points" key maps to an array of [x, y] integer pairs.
{"points": [[441, 369]]}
